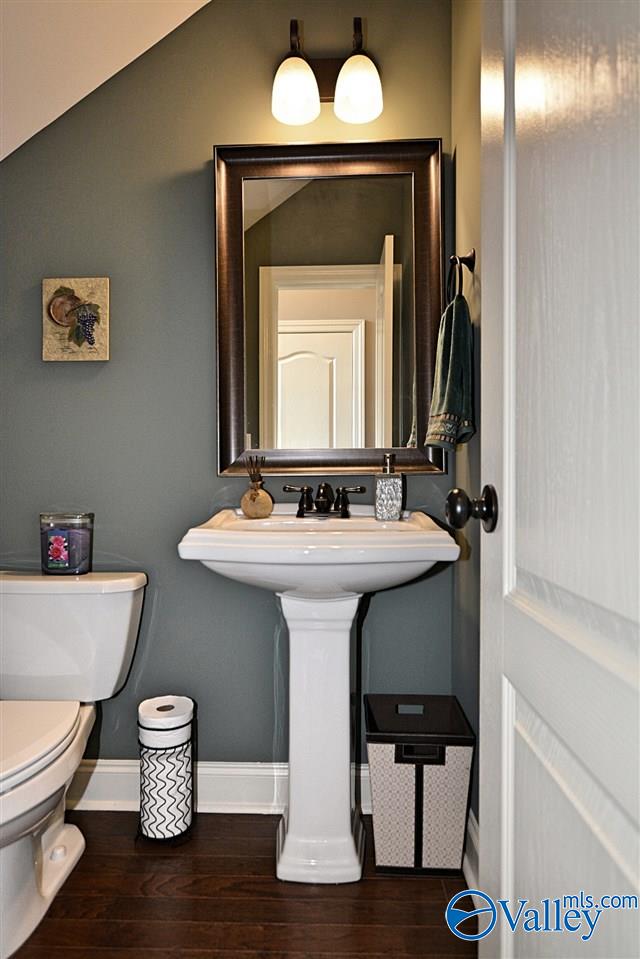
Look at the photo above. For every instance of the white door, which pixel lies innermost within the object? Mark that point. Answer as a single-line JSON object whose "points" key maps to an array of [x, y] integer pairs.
{"points": [[310, 299], [320, 377], [559, 750]]}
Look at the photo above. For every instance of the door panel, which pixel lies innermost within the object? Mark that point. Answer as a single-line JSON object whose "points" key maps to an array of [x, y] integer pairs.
{"points": [[319, 390], [558, 664], [568, 804]]}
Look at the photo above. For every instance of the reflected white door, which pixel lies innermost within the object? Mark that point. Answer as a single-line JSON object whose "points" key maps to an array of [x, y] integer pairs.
{"points": [[559, 723], [320, 380]]}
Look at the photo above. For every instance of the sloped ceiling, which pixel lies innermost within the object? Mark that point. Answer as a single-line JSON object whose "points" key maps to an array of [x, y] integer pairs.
{"points": [[55, 52], [260, 197]]}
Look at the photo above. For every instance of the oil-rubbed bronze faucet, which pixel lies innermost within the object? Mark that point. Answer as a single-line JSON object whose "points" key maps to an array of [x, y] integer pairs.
{"points": [[324, 499], [322, 503]]}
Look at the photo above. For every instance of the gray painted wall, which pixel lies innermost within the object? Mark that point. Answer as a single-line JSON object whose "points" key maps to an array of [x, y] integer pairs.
{"points": [[465, 135], [122, 186]]}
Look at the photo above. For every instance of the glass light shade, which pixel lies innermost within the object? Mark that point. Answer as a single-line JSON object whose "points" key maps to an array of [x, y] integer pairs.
{"points": [[358, 96], [295, 98]]}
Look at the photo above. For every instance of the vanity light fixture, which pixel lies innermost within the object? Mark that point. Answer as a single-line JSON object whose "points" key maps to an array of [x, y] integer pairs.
{"points": [[295, 98], [300, 85], [358, 96]]}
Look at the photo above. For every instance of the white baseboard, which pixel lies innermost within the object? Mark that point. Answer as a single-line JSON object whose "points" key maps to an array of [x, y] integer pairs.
{"points": [[223, 788]]}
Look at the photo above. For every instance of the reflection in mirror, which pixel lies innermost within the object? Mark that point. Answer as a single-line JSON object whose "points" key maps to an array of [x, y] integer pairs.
{"points": [[329, 311]]}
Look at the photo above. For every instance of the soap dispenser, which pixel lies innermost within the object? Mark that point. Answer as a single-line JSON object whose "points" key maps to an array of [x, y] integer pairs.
{"points": [[389, 491]]}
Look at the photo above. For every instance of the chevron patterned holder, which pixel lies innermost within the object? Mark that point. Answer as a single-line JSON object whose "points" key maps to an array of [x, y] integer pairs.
{"points": [[166, 766]]}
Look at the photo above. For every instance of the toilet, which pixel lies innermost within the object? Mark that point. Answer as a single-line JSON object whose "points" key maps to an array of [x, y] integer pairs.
{"points": [[65, 643]]}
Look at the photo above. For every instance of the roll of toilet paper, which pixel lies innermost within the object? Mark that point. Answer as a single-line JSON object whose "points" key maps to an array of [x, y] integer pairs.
{"points": [[165, 721]]}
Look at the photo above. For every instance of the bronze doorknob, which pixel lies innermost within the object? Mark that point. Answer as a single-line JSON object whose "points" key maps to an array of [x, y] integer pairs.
{"points": [[459, 508]]}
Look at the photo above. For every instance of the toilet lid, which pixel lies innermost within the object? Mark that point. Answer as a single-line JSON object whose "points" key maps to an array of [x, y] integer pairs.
{"points": [[32, 734]]}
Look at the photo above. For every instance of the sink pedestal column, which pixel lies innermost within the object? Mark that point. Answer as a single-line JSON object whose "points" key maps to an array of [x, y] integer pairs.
{"points": [[318, 838]]}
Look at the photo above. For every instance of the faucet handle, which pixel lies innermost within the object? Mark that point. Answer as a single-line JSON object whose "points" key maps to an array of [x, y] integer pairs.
{"points": [[341, 504], [306, 499]]}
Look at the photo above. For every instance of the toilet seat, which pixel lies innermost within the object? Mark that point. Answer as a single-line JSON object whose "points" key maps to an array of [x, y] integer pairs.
{"points": [[33, 735]]}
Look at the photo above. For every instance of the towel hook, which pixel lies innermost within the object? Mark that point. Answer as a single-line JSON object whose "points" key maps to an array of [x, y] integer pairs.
{"points": [[455, 267]]}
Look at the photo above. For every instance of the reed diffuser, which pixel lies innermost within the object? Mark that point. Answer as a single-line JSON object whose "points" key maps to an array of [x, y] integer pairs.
{"points": [[256, 503]]}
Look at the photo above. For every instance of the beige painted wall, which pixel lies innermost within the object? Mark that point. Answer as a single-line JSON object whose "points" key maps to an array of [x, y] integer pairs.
{"points": [[408, 38], [465, 138], [55, 52]]}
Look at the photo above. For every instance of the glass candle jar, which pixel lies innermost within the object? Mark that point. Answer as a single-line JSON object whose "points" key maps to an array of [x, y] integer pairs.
{"points": [[66, 543]]}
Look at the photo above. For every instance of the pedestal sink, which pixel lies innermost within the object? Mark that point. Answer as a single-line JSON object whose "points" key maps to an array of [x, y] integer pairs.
{"points": [[319, 566]]}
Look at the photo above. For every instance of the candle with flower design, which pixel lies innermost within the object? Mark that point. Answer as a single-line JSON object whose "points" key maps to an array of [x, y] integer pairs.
{"points": [[66, 543]]}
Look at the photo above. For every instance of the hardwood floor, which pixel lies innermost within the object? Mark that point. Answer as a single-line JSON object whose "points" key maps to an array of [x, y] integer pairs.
{"points": [[216, 896]]}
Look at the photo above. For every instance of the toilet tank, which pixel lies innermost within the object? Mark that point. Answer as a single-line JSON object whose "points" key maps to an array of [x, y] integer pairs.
{"points": [[67, 637]]}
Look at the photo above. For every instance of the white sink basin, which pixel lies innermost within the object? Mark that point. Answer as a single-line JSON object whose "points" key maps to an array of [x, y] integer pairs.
{"points": [[326, 555], [320, 567]]}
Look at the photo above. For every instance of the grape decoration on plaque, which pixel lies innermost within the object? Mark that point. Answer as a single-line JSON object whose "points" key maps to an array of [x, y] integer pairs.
{"points": [[75, 318]]}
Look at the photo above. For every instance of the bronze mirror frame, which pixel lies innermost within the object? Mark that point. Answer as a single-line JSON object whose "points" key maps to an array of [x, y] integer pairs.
{"points": [[422, 159]]}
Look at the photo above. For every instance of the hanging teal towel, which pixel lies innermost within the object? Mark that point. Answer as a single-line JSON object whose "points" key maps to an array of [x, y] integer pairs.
{"points": [[451, 416]]}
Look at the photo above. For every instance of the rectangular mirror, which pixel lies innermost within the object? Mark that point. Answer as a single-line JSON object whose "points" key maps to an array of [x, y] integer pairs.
{"points": [[329, 295]]}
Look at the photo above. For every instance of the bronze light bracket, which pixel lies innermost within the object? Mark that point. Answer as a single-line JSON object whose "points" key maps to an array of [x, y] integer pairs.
{"points": [[326, 69]]}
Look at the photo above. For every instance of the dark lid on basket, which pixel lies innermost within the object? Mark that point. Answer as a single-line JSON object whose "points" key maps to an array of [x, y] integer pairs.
{"points": [[416, 719]]}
